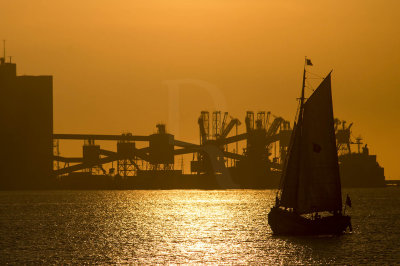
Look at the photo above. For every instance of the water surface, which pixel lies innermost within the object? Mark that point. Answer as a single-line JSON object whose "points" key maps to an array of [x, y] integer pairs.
{"points": [[185, 226]]}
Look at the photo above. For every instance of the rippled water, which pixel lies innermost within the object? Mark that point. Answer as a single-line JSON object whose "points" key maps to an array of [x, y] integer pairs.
{"points": [[185, 226]]}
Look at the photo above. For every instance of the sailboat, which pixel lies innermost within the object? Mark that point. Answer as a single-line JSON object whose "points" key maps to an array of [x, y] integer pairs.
{"points": [[310, 182]]}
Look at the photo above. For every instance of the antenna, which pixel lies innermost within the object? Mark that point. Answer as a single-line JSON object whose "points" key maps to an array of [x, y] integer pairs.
{"points": [[4, 49]]}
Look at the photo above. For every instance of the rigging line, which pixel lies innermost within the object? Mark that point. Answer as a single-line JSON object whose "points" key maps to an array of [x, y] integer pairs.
{"points": [[309, 86], [315, 74], [297, 112]]}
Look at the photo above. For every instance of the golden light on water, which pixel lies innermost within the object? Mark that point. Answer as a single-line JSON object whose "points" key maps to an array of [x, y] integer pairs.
{"points": [[187, 226], [196, 226]]}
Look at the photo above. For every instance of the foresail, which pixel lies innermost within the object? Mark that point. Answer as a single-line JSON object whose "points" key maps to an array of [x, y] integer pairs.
{"points": [[290, 172], [319, 180]]}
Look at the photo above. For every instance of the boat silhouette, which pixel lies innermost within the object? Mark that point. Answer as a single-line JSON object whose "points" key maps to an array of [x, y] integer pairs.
{"points": [[310, 182]]}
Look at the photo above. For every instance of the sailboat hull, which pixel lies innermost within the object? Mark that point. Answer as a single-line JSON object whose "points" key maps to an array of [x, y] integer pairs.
{"points": [[283, 222]]}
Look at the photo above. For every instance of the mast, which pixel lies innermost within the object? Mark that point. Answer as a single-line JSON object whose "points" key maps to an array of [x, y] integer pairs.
{"points": [[304, 83], [290, 174], [299, 126], [302, 90]]}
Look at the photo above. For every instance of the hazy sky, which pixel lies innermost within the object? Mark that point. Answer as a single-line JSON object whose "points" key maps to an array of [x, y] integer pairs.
{"points": [[118, 65]]}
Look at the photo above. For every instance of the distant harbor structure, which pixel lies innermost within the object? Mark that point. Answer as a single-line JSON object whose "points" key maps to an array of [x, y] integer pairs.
{"points": [[26, 108], [223, 157]]}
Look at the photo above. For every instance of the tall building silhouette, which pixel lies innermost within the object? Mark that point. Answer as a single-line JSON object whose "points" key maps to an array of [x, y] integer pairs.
{"points": [[26, 122]]}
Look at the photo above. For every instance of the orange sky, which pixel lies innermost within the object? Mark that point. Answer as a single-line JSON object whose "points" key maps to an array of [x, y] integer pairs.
{"points": [[115, 62]]}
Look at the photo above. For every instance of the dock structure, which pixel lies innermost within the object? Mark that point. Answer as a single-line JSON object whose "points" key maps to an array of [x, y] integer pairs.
{"points": [[159, 150], [392, 182]]}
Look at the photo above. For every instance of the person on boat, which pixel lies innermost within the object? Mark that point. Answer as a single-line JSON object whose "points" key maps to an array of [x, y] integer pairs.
{"points": [[365, 150]]}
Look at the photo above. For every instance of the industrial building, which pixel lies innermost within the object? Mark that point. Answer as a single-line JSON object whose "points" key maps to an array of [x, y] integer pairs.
{"points": [[26, 118]]}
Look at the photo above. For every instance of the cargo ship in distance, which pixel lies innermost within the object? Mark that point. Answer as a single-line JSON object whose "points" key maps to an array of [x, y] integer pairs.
{"points": [[360, 168]]}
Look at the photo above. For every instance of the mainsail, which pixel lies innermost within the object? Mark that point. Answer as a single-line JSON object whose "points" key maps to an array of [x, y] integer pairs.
{"points": [[311, 180]]}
